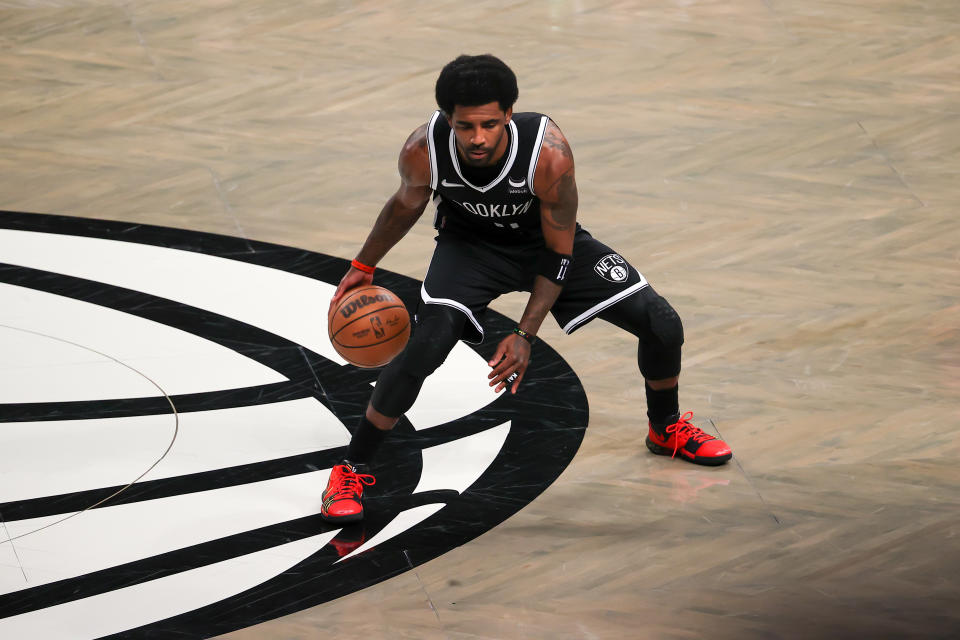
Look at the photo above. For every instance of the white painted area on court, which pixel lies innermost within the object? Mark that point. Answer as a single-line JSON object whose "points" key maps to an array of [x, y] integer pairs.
{"points": [[457, 464], [141, 604], [111, 536], [11, 575], [289, 305], [43, 459], [223, 438], [57, 349], [38, 368], [457, 389], [63, 456]]}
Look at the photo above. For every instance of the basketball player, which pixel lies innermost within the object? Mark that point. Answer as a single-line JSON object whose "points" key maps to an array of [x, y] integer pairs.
{"points": [[506, 216]]}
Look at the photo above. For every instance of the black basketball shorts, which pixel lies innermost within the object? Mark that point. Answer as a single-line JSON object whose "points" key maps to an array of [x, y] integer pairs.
{"points": [[467, 274]]}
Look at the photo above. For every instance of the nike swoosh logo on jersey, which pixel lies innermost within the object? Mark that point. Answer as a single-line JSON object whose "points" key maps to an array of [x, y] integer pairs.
{"points": [[449, 184]]}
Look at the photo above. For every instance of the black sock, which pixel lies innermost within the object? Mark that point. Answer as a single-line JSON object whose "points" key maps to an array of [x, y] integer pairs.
{"points": [[662, 404], [365, 442]]}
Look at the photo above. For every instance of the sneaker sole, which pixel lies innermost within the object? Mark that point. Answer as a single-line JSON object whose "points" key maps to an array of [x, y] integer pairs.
{"points": [[709, 462], [355, 517]]}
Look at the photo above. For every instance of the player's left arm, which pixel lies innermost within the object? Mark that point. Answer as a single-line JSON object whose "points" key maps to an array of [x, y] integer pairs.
{"points": [[555, 184]]}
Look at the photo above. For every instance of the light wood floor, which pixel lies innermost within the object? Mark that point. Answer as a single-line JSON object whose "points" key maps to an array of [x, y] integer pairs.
{"points": [[786, 172]]}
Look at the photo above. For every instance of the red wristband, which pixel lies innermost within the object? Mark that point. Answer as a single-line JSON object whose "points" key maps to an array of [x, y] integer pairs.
{"points": [[356, 264]]}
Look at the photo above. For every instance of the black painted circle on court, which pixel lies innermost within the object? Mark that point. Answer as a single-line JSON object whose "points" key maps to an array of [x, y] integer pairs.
{"points": [[548, 419]]}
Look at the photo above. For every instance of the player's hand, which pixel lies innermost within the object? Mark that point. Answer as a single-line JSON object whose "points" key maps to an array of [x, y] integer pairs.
{"points": [[352, 278], [509, 363]]}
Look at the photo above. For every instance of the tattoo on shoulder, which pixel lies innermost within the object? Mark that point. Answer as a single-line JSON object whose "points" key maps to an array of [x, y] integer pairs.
{"points": [[554, 139]]}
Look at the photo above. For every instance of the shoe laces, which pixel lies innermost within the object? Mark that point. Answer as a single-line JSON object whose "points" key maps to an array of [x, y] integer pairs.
{"points": [[683, 428], [351, 483]]}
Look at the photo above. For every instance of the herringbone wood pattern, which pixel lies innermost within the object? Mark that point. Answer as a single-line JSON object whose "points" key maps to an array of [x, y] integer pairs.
{"points": [[786, 172]]}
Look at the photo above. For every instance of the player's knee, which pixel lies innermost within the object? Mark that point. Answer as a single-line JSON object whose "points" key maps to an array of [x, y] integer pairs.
{"points": [[660, 347], [665, 323], [435, 334], [437, 331], [396, 391]]}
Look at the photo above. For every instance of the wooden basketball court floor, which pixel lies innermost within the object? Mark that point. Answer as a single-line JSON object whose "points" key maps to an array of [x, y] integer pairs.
{"points": [[786, 173]]}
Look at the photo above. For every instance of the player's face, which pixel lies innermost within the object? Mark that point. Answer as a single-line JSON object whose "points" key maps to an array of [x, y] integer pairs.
{"points": [[481, 133]]}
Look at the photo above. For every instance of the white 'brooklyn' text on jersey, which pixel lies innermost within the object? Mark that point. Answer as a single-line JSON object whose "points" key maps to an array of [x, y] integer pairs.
{"points": [[505, 210]]}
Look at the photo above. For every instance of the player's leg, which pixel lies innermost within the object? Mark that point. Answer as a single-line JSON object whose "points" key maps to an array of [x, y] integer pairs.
{"points": [[657, 326], [461, 281], [603, 284], [436, 331]]}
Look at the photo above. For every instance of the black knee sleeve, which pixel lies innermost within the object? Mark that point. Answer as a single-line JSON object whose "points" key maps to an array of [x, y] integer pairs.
{"points": [[647, 315], [396, 391], [665, 324], [659, 353], [436, 332]]}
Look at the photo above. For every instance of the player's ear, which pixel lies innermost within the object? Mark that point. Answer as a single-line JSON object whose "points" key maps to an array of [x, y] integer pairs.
{"points": [[508, 114]]}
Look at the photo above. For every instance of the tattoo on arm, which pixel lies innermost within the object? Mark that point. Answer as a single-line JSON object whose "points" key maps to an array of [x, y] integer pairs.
{"points": [[555, 140], [560, 197], [563, 213]]}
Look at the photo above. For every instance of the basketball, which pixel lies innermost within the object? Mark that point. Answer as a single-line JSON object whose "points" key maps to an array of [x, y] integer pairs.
{"points": [[369, 327]]}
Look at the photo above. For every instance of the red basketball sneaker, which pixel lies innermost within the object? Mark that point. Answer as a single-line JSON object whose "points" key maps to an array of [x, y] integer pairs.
{"points": [[677, 435], [342, 497]]}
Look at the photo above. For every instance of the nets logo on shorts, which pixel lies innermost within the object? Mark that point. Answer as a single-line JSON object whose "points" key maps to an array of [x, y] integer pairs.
{"points": [[612, 267]]}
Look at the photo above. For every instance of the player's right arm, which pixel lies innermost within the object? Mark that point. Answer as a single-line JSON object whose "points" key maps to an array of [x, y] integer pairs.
{"points": [[398, 215]]}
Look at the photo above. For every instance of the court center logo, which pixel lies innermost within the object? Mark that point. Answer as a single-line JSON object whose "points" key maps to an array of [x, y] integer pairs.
{"points": [[612, 267], [170, 409]]}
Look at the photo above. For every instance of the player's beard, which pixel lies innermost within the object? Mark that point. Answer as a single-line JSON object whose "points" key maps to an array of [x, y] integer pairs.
{"points": [[487, 158]]}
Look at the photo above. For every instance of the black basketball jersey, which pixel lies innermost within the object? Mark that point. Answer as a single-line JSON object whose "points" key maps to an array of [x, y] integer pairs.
{"points": [[506, 210]]}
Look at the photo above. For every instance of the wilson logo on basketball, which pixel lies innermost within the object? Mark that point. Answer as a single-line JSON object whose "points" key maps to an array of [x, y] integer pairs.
{"points": [[350, 308]]}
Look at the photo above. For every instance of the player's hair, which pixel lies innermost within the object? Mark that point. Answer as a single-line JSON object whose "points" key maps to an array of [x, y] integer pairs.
{"points": [[470, 81]]}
